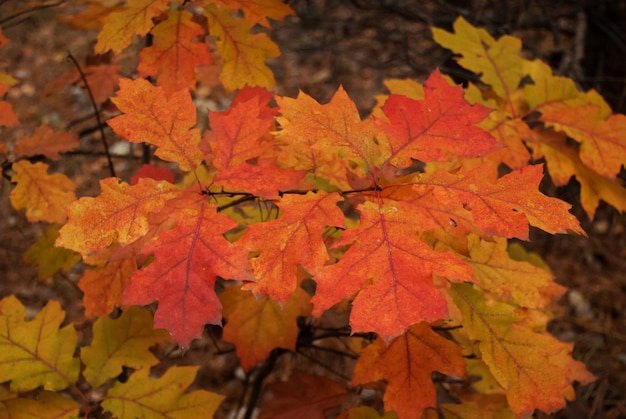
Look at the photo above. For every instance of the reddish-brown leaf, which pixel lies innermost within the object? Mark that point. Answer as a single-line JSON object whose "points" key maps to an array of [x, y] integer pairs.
{"points": [[45, 140], [103, 80], [303, 396]]}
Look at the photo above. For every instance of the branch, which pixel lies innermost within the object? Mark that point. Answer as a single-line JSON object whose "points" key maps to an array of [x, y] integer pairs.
{"points": [[71, 58]]}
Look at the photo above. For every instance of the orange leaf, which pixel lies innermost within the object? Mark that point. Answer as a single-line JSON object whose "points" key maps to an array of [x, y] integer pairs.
{"points": [[187, 260], [564, 162], [303, 396], [120, 27], [119, 213], [294, 239], [151, 117], [7, 116], [407, 365], [257, 326], [602, 141], [315, 135], [244, 53], [392, 268], [46, 141], [44, 196], [103, 287], [503, 208], [517, 354], [258, 11], [173, 54], [430, 129]]}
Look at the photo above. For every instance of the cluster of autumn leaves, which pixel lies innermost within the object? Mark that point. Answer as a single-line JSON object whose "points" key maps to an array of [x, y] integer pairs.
{"points": [[403, 214]]}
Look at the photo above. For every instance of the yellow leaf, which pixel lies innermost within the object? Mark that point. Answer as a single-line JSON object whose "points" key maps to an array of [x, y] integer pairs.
{"points": [[258, 11], [49, 259], [120, 27], [165, 397], [244, 53], [497, 61], [36, 353], [46, 405], [517, 355], [43, 196], [120, 342], [508, 279]]}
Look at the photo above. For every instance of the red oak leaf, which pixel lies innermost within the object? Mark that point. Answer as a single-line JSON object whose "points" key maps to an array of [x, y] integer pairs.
{"points": [[427, 130], [187, 260], [390, 269], [407, 364], [295, 238], [173, 54], [150, 116]]}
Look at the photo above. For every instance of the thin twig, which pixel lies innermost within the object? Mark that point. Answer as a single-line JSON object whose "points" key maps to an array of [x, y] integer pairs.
{"points": [[29, 10], [71, 58], [264, 371]]}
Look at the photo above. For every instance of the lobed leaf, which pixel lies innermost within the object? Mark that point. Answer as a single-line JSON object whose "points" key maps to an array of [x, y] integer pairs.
{"points": [[43, 196], [164, 397], [121, 342], [407, 364], [154, 117], [36, 353]]}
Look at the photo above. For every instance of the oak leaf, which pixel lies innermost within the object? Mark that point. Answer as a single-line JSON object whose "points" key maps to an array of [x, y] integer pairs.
{"points": [[121, 342], [303, 396], [103, 287], [187, 260], [259, 11], [173, 55], [390, 270], [103, 79], [313, 135], [120, 26], [509, 280], [119, 213], [49, 259], [153, 117], [164, 397], [294, 239], [478, 406], [602, 141], [43, 196], [36, 353], [407, 364], [497, 61], [517, 354], [259, 325], [47, 405], [45, 140], [564, 162], [501, 208], [7, 116], [441, 124], [152, 172], [244, 53]]}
